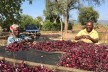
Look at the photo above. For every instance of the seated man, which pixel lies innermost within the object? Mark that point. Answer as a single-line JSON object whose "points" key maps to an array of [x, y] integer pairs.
{"points": [[88, 34], [15, 36]]}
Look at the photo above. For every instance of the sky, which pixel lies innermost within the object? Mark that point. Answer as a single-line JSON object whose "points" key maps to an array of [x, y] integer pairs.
{"points": [[36, 9]]}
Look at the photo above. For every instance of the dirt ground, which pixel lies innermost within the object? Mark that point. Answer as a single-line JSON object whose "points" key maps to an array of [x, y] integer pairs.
{"points": [[59, 35]]}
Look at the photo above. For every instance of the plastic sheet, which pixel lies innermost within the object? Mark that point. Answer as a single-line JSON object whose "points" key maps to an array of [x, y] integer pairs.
{"points": [[32, 56]]}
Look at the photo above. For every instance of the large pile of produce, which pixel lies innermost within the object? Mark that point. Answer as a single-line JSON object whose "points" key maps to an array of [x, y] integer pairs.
{"points": [[86, 56], [79, 55], [52, 46], [49, 46], [22, 67], [14, 47]]}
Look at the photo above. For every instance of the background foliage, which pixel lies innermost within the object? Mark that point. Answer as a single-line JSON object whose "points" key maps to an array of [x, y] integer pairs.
{"points": [[10, 11], [88, 14]]}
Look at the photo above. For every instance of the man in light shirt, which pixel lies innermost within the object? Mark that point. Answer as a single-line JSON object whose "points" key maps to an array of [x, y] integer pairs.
{"points": [[88, 34]]}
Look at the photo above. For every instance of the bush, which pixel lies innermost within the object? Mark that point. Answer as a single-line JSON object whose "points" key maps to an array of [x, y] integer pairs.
{"points": [[47, 26], [56, 27], [50, 26]]}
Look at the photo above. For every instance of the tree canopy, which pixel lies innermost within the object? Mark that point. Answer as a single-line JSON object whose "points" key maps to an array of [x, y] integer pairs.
{"points": [[10, 11], [64, 6], [25, 19], [88, 14], [50, 12]]}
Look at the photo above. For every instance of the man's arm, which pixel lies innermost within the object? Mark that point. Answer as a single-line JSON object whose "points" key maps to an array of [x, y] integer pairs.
{"points": [[78, 37], [92, 39], [86, 37]]}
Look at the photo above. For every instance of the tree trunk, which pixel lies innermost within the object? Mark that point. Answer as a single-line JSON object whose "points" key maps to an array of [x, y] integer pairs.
{"points": [[61, 29], [66, 17], [66, 23]]}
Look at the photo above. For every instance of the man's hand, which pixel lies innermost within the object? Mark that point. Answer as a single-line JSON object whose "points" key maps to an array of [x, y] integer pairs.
{"points": [[83, 37], [86, 37]]}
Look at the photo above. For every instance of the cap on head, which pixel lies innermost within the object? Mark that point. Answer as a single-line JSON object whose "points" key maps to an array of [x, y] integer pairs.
{"points": [[12, 27]]}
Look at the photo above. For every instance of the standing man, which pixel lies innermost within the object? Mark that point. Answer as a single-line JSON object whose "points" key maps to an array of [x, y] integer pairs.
{"points": [[88, 34]]}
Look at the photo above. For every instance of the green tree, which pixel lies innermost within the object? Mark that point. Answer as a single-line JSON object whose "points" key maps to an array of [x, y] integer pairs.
{"points": [[10, 11], [64, 7], [86, 14], [25, 19], [47, 25], [39, 21], [50, 26], [36, 22], [50, 12]]}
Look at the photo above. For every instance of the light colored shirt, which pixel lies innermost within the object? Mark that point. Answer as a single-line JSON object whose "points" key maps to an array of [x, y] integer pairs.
{"points": [[93, 34], [11, 39]]}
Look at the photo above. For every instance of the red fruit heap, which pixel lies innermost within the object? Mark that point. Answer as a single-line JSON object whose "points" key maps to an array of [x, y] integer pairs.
{"points": [[86, 56], [14, 47], [52, 46], [78, 54], [5, 67]]}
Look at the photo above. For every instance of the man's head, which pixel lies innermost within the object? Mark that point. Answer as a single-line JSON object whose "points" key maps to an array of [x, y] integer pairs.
{"points": [[89, 26], [15, 29]]}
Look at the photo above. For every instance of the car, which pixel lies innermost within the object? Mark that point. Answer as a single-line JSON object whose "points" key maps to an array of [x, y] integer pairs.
{"points": [[32, 29]]}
